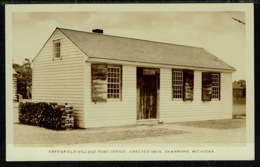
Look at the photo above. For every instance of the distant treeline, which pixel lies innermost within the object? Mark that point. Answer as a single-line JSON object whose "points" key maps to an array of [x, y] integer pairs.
{"points": [[24, 78]]}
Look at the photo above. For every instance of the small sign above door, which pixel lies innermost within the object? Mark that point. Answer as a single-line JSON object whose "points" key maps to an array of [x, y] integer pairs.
{"points": [[150, 71]]}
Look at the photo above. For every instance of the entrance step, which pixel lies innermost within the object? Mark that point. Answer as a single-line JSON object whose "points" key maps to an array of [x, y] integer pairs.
{"points": [[147, 121]]}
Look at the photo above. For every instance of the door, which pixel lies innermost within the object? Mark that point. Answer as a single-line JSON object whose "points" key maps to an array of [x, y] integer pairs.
{"points": [[147, 94]]}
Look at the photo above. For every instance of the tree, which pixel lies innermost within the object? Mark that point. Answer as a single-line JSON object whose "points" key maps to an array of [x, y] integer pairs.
{"points": [[24, 78], [242, 82]]}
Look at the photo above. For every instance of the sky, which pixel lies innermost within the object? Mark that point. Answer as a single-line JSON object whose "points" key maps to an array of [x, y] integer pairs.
{"points": [[216, 32]]}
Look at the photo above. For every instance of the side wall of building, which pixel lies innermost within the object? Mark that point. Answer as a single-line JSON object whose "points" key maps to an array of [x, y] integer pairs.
{"points": [[60, 80], [112, 112], [176, 111]]}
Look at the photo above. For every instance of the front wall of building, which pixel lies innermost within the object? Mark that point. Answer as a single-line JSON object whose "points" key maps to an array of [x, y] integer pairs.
{"points": [[115, 113], [178, 110], [112, 112]]}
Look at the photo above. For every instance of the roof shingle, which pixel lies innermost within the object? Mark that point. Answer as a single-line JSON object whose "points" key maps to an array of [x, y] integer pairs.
{"points": [[110, 47]]}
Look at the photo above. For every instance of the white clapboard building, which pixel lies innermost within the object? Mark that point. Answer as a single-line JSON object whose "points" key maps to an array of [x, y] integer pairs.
{"points": [[14, 85], [113, 81]]}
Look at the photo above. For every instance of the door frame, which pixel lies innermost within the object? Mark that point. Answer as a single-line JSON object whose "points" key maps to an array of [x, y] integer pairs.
{"points": [[144, 71]]}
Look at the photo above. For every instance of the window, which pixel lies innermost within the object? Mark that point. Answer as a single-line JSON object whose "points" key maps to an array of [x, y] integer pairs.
{"points": [[106, 82], [215, 86], [210, 86], [182, 84], [177, 83], [113, 83], [56, 49]]}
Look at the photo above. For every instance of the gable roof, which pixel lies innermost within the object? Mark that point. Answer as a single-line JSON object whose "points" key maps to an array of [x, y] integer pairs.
{"points": [[96, 45]]}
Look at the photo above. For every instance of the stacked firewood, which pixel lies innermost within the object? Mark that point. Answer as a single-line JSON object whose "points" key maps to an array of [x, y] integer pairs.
{"points": [[67, 117]]}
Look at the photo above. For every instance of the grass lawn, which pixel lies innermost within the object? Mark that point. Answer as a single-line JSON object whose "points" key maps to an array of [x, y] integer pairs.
{"points": [[239, 106], [217, 124], [25, 135]]}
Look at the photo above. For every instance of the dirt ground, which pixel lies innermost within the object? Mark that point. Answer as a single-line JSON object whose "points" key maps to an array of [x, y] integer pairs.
{"points": [[199, 133]]}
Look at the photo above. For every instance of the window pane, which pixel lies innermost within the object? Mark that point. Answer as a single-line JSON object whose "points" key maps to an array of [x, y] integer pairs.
{"points": [[56, 49], [114, 81], [215, 86], [177, 77]]}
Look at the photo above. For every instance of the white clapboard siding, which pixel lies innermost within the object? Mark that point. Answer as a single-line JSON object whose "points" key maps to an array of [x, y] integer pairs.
{"points": [[178, 110], [112, 113], [60, 81]]}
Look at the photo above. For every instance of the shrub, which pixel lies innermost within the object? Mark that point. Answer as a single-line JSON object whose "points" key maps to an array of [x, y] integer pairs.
{"points": [[48, 115]]}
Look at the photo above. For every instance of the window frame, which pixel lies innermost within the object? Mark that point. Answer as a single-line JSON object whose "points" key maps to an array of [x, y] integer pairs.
{"points": [[213, 86], [110, 80], [56, 50], [179, 96]]}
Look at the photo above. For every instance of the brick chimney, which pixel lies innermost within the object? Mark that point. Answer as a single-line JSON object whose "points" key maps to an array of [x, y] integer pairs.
{"points": [[100, 31]]}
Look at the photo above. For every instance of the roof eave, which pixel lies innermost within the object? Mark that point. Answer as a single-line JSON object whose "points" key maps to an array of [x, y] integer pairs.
{"points": [[137, 63]]}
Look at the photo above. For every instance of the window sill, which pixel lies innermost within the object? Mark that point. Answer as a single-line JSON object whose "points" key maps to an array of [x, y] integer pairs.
{"points": [[57, 58], [183, 101], [177, 99], [212, 100], [188, 101], [114, 100]]}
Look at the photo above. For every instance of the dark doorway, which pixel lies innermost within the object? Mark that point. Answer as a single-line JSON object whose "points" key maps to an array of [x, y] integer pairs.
{"points": [[147, 92]]}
